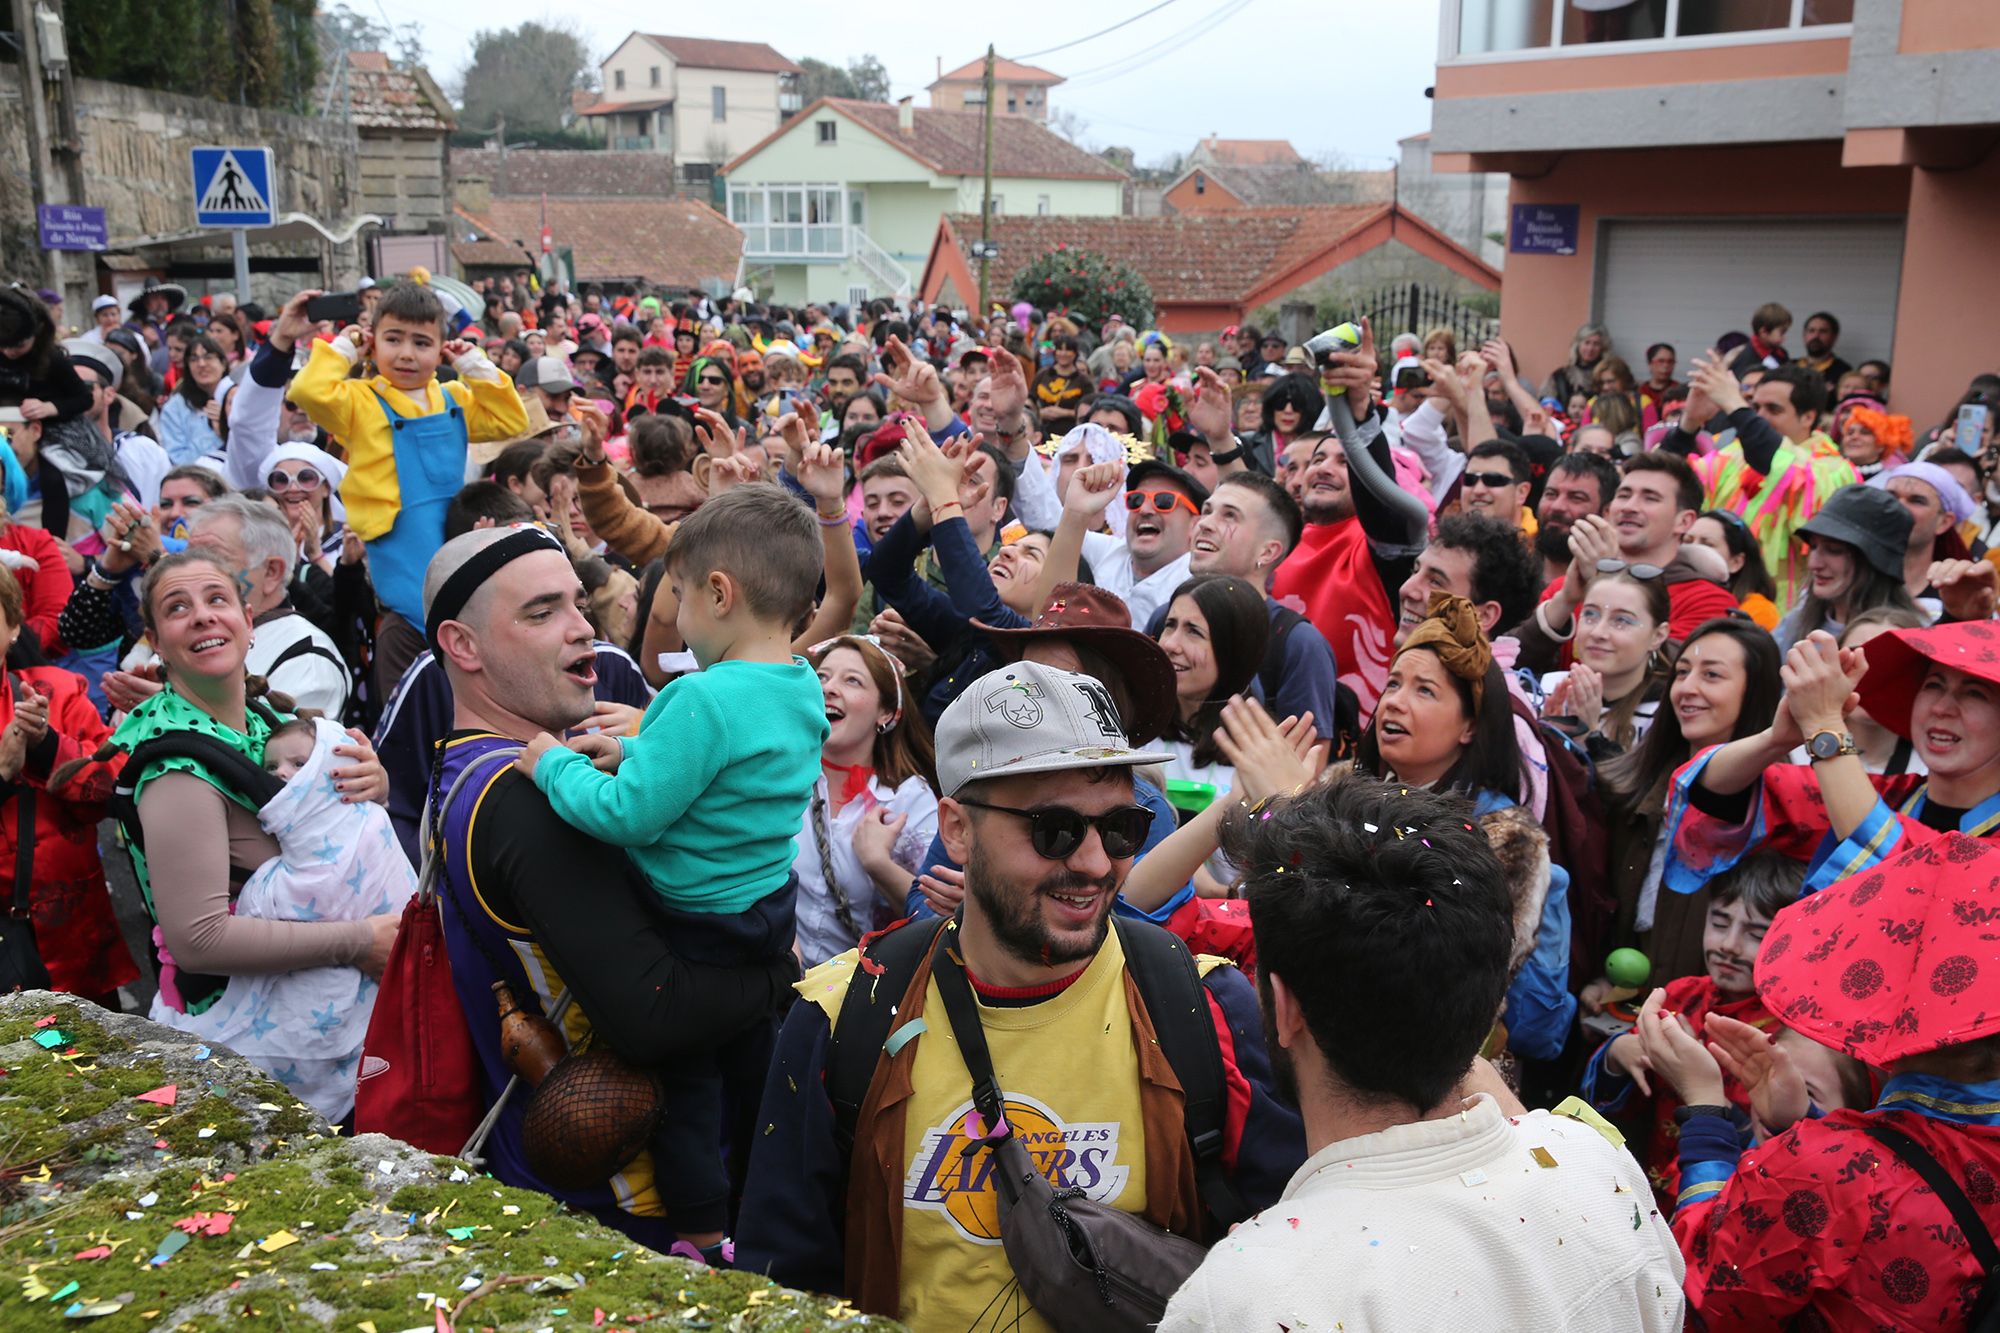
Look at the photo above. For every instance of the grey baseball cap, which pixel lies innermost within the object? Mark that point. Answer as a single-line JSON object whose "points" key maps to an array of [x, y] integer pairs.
{"points": [[546, 373], [1030, 718]]}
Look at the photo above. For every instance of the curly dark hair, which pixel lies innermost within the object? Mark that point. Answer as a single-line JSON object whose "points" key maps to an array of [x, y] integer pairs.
{"points": [[1503, 569]]}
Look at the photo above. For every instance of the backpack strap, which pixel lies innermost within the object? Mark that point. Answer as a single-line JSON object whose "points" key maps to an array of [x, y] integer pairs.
{"points": [[1978, 1236], [236, 771], [866, 1012], [1177, 1002], [303, 646]]}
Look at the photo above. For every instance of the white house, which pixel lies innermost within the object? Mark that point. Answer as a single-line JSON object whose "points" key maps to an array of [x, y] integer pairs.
{"points": [[700, 100], [842, 202]]}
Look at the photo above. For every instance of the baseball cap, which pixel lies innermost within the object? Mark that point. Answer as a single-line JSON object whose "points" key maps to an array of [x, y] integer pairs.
{"points": [[546, 373], [1030, 718], [104, 303], [100, 358]]}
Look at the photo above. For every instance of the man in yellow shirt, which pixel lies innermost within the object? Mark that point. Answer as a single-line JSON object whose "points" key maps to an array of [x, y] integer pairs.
{"points": [[406, 437], [889, 1208]]}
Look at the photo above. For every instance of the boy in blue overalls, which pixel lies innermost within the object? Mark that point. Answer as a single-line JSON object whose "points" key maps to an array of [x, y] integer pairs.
{"points": [[406, 437]]}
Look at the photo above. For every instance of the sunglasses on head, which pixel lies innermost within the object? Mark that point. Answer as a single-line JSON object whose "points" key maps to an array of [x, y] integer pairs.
{"points": [[1644, 573], [1056, 831], [1164, 501], [280, 479], [1495, 480]]}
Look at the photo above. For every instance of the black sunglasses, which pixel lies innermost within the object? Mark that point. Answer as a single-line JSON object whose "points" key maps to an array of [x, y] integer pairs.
{"points": [[1056, 832], [1494, 480], [710, 379]]}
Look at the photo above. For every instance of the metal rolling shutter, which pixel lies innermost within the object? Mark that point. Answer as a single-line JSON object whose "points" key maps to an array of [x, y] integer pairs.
{"points": [[1687, 283]]}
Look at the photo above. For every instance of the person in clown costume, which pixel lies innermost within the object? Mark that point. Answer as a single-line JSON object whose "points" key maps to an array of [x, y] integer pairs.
{"points": [[1780, 468]]}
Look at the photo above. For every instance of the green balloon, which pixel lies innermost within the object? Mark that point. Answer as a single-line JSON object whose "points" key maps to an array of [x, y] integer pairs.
{"points": [[1628, 967]]}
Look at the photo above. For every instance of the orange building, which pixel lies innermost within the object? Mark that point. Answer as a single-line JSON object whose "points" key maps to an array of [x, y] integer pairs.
{"points": [[1675, 163]]}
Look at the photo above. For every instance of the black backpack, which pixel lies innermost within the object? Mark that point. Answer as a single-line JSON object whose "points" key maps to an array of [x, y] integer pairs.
{"points": [[1168, 981]]}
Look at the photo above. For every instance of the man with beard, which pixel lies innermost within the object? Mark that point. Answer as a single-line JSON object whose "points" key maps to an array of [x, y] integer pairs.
{"points": [[1822, 332], [1161, 505], [892, 1205], [1579, 484], [1384, 926]]}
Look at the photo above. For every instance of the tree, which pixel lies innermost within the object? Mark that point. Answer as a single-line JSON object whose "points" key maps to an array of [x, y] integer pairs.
{"points": [[1070, 126], [864, 80], [252, 52], [1086, 285], [345, 29], [525, 75]]}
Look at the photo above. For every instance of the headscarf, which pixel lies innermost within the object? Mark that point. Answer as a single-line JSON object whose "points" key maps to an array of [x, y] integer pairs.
{"points": [[1451, 630], [1099, 446]]}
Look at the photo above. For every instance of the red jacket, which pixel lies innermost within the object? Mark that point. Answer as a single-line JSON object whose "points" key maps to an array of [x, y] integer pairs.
{"points": [[68, 899], [45, 590], [1693, 602]]}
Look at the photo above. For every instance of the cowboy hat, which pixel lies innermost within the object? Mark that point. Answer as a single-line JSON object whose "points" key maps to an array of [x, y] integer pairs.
{"points": [[1086, 614]]}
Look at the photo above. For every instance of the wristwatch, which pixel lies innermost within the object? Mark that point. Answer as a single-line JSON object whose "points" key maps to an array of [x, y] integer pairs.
{"points": [[1831, 745], [1230, 455]]}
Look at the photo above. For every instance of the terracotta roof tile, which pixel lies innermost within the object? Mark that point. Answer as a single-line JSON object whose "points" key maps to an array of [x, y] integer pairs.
{"points": [[667, 242], [706, 53], [1010, 71], [954, 142], [1299, 183], [382, 97], [490, 254], [586, 172], [1205, 258], [1251, 152], [607, 107]]}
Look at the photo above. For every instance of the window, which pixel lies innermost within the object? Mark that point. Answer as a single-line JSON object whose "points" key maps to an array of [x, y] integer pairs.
{"points": [[975, 95], [1011, 108], [1490, 26], [797, 221], [654, 76], [999, 204], [826, 130], [618, 79], [1041, 205], [718, 103], [1200, 183]]}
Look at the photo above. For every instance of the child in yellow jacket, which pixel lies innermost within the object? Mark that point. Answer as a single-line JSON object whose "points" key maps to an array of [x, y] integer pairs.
{"points": [[405, 434]]}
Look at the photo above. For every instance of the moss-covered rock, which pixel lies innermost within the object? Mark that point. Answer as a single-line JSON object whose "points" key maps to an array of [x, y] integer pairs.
{"points": [[239, 1208]]}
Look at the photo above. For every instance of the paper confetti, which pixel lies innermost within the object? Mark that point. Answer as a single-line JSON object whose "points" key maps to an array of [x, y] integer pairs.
{"points": [[202, 1052], [206, 1224], [95, 1252], [324, 1267], [50, 1038], [148, 1199], [459, 1233], [1543, 1157], [173, 1244], [205, 1132], [92, 1309], [45, 1021], [161, 1096], [903, 1036], [276, 1241]]}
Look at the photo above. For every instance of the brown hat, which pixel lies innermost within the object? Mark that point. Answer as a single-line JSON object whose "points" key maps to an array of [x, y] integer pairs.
{"points": [[1086, 614], [539, 425]]}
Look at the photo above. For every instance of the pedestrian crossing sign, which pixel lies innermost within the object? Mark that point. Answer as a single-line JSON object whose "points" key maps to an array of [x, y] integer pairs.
{"points": [[232, 187]]}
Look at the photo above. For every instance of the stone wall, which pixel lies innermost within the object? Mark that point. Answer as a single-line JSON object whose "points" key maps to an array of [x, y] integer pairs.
{"points": [[135, 166]]}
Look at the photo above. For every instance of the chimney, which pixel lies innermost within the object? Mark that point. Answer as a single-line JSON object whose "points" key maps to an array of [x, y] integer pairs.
{"points": [[906, 117]]}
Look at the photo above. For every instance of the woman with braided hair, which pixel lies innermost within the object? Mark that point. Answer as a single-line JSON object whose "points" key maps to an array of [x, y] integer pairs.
{"points": [[873, 812]]}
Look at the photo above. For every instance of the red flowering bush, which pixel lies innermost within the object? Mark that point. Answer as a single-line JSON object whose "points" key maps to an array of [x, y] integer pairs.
{"points": [[1085, 284]]}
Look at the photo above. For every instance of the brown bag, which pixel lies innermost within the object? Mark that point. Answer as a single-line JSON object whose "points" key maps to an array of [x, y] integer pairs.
{"points": [[1085, 1266]]}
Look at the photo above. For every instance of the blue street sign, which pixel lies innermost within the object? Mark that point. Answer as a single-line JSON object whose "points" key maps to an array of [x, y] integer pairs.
{"points": [[72, 227], [232, 187], [1543, 229]]}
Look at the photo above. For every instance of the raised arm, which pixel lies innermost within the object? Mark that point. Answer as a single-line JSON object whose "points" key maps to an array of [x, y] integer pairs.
{"points": [[820, 470]]}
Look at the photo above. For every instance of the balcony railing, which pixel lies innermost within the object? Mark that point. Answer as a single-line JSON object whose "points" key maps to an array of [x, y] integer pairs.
{"points": [[632, 143], [1506, 27]]}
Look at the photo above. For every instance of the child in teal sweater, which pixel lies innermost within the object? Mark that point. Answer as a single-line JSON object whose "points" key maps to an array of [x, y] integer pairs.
{"points": [[709, 796]]}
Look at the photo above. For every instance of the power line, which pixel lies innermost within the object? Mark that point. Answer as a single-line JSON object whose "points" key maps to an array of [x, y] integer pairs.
{"points": [[1133, 61], [1095, 35]]}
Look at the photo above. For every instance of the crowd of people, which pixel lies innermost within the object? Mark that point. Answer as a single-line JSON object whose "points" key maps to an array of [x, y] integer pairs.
{"points": [[1018, 822]]}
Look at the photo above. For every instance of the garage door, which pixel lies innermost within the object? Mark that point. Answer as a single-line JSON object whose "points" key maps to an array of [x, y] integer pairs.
{"points": [[1687, 283]]}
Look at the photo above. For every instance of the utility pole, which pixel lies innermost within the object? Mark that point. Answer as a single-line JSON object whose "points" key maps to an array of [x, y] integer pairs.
{"points": [[33, 92], [987, 195]]}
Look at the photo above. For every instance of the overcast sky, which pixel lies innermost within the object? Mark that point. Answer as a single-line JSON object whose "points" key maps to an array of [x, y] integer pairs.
{"points": [[1333, 76]]}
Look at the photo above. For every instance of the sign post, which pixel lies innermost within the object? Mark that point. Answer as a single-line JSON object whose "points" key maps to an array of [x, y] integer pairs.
{"points": [[232, 188]]}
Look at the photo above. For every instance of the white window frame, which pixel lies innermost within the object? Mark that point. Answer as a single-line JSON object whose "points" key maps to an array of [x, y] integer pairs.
{"points": [[798, 222], [1794, 31]]}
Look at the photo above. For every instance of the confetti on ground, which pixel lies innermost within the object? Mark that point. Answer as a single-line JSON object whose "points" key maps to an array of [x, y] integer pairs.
{"points": [[148, 1199], [206, 1224], [92, 1309], [50, 1038], [45, 1021], [205, 1132], [161, 1096], [175, 1242], [276, 1241], [95, 1252], [202, 1052], [459, 1233]]}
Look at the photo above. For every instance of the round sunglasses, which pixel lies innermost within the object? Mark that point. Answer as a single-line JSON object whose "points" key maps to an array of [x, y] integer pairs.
{"points": [[1056, 831], [280, 479]]}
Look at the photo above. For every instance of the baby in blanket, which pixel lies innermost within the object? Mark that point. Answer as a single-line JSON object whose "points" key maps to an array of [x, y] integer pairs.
{"points": [[335, 862]]}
